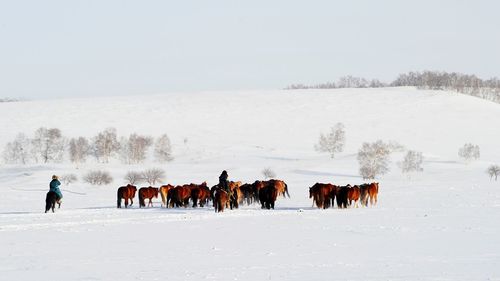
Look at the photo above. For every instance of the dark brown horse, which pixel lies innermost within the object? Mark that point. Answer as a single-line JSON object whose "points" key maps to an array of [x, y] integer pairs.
{"points": [[220, 200], [268, 195], [323, 194], [149, 193], [341, 196], [363, 194], [51, 200], [125, 192], [247, 192]]}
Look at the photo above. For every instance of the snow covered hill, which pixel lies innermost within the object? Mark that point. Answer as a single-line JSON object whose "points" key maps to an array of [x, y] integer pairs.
{"points": [[438, 225]]}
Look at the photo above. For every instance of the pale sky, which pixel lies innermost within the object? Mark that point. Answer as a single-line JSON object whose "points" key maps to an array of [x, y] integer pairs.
{"points": [[89, 48]]}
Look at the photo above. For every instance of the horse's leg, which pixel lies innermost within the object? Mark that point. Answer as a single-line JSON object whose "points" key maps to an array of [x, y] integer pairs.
{"points": [[126, 202]]}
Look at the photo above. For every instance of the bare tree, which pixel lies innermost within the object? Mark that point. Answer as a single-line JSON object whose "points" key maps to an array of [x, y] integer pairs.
{"points": [[98, 177], [105, 145], [48, 145], [68, 178], [268, 173], [163, 149], [373, 159], [469, 152], [79, 149], [152, 176], [17, 151], [134, 149], [133, 177], [493, 171], [412, 162], [333, 142]]}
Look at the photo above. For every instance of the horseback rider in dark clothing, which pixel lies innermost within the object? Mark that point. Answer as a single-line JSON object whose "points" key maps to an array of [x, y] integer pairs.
{"points": [[54, 186], [224, 183]]}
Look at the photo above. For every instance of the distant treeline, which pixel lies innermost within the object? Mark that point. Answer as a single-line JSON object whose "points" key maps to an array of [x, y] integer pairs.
{"points": [[8, 100], [431, 80], [49, 145]]}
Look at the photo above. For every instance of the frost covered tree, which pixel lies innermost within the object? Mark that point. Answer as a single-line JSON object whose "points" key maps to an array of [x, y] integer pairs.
{"points": [[134, 149], [18, 151], [163, 149], [469, 152], [152, 176], [332, 142], [79, 149], [493, 171], [68, 178], [133, 177], [268, 173], [373, 159], [48, 145], [412, 162], [98, 177], [105, 145]]}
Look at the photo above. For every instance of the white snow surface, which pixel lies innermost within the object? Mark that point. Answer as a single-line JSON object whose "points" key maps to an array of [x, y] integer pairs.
{"points": [[441, 224]]}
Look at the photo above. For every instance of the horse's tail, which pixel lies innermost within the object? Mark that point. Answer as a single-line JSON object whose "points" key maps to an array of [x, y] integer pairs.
{"points": [[48, 204], [141, 200], [119, 194], [286, 190]]}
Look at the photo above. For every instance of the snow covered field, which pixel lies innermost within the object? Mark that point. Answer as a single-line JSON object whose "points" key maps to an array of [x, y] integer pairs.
{"points": [[442, 224]]}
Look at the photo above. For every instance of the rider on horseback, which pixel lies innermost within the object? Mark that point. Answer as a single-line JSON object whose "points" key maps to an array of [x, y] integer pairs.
{"points": [[54, 186], [224, 184]]}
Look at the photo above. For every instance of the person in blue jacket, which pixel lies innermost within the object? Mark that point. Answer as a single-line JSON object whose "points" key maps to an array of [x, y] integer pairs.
{"points": [[54, 186]]}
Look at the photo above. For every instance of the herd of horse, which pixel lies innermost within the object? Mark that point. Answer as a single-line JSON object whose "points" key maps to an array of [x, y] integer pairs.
{"points": [[324, 195], [265, 193]]}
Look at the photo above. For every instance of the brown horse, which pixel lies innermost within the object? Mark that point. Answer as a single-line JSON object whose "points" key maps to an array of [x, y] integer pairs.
{"points": [[281, 186], [180, 196], [353, 194], [257, 186], [233, 185], [199, 193], [322, 194], [373, 193], [220, 200], [236, 196], [165, 196], [204, 196], [125, 192], [268, 195], [149, 193]]}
